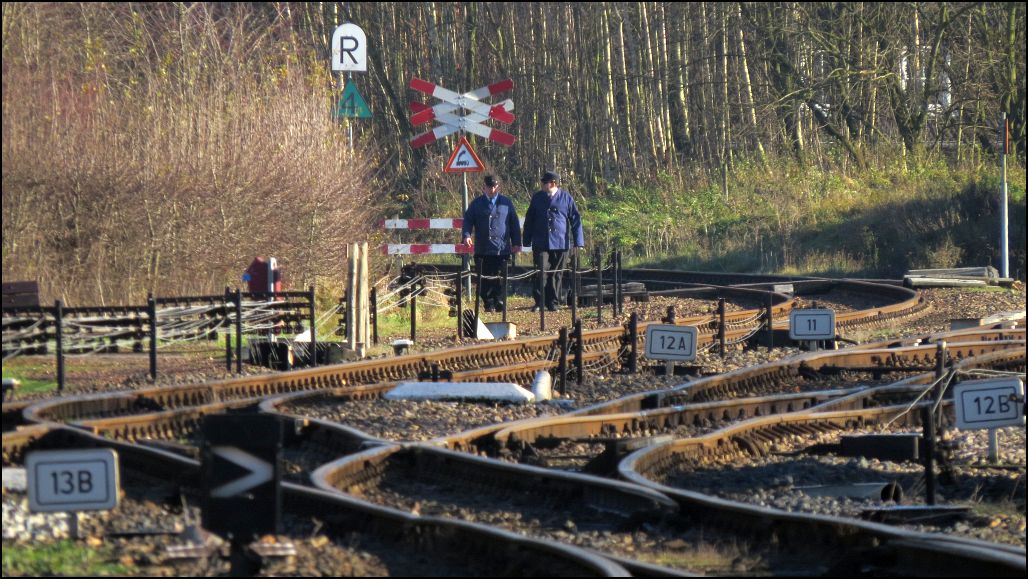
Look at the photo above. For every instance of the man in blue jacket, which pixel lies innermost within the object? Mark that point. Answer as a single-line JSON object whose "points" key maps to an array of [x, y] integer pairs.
{"points": [[497, 234], [552, 224]]}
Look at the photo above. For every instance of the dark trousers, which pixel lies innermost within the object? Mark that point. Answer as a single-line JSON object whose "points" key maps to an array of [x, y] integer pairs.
{"points": [[554, 265], [492, 289]]}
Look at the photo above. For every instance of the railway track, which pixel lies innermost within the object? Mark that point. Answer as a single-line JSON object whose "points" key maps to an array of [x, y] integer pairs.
{"points": [[154, 429]]}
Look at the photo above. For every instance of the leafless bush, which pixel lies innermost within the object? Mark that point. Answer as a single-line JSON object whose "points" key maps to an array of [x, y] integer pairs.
{"points": [[163, 147]]}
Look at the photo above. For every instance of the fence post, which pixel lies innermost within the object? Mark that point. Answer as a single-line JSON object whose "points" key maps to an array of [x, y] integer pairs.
{"points": [[314, 328], [575, 287], [506, 273], [562, 368], [414, 306], [633, 343], [540, 257], [478, 290], [460, 304], [599, 286], [928, 425], [239, 331], [59, 330], [770, 321], [721, 325], [228, 335], [151, 309], [374, 314], [579, 353]]}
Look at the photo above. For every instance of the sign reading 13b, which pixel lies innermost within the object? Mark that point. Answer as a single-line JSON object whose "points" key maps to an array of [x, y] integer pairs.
{"points": [[812, 324]]}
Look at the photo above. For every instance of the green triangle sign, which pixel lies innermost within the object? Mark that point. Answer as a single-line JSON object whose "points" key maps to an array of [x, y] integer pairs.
{"points": [[351, 104]]}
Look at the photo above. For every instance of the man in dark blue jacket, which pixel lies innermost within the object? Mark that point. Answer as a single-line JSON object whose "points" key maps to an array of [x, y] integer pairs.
{"points": [[552, 224], [497, 234]]}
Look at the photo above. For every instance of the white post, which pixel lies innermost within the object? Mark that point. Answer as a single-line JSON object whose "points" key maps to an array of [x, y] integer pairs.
{"points": [[1004, 235]]}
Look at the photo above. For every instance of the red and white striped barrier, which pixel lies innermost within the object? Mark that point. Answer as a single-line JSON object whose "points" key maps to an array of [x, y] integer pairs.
{"points": [[423, 248], [422, 223], [446, 223], [431, 248]]}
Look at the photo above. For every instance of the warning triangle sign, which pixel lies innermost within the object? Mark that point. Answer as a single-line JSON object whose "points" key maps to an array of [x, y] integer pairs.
{"points": [[464, 159], [351, 104]]}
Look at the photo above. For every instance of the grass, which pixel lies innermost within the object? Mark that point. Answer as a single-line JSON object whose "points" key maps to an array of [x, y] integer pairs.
{"points": [[61, 558], [21, 369]]}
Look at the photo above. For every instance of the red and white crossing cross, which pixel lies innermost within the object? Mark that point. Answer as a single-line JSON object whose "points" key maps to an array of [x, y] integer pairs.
{"points": [[478, 112]]}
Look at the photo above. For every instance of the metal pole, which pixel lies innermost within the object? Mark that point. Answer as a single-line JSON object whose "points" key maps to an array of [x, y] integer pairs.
{"points": [[314, 329], [721, 325], [633, 343], [465, 259], [239, 331], [349, 122], [579, 353], [151, 310], [1004, 215], [59, 330]]}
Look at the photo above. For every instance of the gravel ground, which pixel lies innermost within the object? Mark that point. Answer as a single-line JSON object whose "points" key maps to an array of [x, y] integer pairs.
{"points": [[152, 516], [996, 497]]}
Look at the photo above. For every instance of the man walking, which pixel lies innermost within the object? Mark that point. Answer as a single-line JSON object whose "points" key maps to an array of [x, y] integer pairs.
{"points": [[497, 233], [552, 219]]}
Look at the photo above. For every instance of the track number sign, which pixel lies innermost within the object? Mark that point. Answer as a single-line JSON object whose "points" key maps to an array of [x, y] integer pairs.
{"points": [[812, 324], [989, 403], [670, 342], [72, 480]]}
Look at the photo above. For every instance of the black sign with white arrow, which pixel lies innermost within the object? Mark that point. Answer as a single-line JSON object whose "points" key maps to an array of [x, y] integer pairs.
{"points": [[242, 496]]}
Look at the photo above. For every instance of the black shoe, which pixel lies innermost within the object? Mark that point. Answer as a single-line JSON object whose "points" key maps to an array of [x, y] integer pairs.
{"points": [[536, 308], [552, 307], [489, 309]]}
